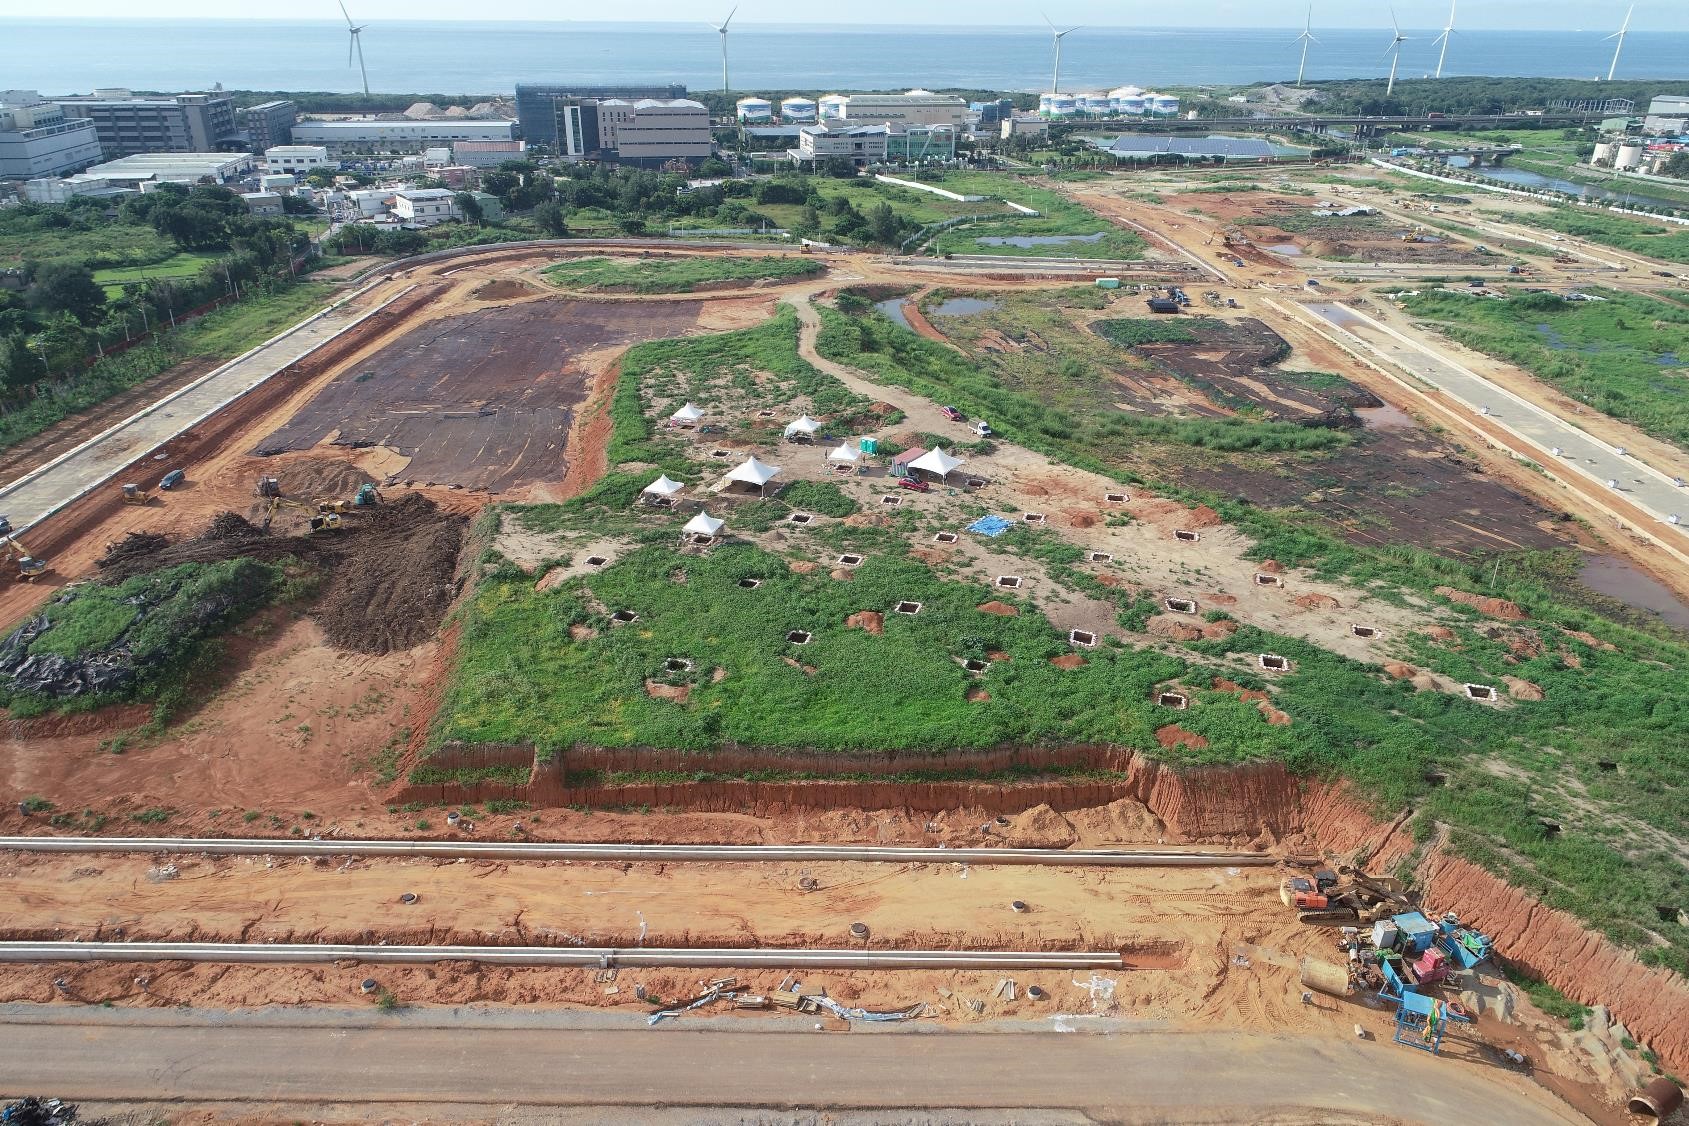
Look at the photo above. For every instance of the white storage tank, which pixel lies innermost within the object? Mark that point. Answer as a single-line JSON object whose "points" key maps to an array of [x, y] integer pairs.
{"points": [[1163, 105], [833, 107], [798, 109], [1132, 104], [755, 109], [1603, 153], [1629, 155], [1096, 105], [1062, 105]]}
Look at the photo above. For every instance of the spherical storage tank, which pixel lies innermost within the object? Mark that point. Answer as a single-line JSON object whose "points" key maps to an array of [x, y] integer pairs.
{"points": [[1629, 156], [755, 109], [798, 109]]}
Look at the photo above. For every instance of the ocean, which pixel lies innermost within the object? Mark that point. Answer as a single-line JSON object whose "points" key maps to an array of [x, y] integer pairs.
{"points": [[75, 56]]}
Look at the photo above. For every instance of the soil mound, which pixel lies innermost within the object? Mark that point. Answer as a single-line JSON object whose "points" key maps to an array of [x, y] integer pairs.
{"points": [[977, 696], [1218, 631], [1221, 684], [1068, 661], [1272, 567], [676, 692], [1521, 689], [1317, 602], [802, 567], [1125, 821], [1275, 718], [502, 289], [1173, 627], [870, 620], [1203, 517], [1001, 609], [321, 479], [1401, 671], [1040, 827], [1175, 736], [1494, 607]]}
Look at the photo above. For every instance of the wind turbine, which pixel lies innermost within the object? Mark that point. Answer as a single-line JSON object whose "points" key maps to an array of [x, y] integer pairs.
{"points": [[722, 31], [1448, 33], [1394, 51], [355, 44], [1305, 38], [1619, 46], [1057, 37]]}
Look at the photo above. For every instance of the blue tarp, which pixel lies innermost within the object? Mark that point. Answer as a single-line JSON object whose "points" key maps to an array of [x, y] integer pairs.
{"points": [[990, 526]]}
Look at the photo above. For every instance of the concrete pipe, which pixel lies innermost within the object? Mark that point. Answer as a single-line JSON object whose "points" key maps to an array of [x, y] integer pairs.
{"points": [[1661, 1098]]}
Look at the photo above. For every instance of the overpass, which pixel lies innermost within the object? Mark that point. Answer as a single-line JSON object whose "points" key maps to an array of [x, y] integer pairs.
{"points": [[1361, 124]]}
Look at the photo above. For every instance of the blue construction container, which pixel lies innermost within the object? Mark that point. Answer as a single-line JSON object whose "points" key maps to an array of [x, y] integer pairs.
{"points": [[1417, 932]]}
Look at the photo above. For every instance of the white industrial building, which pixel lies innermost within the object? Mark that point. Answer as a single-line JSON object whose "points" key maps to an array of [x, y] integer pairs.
{"points": [[487, 154], [827, 140], [37, 140], [175, 167], [424, 207], [344, 137], [1667, 114], [264, 203], [916, 107], [296, 159], [652, 132]]}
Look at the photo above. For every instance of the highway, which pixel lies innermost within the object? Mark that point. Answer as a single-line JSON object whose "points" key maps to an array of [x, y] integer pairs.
{"points": [[643, 853], [467, 1064]]}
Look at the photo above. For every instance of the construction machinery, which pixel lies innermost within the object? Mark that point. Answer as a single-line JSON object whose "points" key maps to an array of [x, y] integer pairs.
{"points": [[325, 522], [1324, 898], [332, 506], [28, 565], [268, 487], [366, 496], [134, 494]]}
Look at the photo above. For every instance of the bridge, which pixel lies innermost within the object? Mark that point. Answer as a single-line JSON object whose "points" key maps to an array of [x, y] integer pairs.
{"points": [[1479, 155], [1363, 126]]}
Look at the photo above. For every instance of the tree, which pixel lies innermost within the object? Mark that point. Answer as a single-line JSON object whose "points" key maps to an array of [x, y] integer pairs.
{"points": [[630, 225], [469, 205], [809, 220], [19, 365], [67, 287], [883, 225], [552, 218]]}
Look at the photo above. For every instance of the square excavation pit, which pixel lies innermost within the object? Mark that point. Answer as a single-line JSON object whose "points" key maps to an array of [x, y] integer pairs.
{"points": [[1101, 557], [1175, 700], [798, 637], [1480, 692], [701, 540], [1116, 498], [907, 608], [677, 664], [1033, 517], [799, 518], [765, 414], [1181, 605], [1272, 662], [975, 482], [623, 617], [1606, 766], [1369, 632], [662, 502], [1012, 582], [850, 560], [975, 665], [720, 453], [596, 561], [1082, 637], [749, 584], [1264, 579], [891, 501], [944, 537], [1187, 537]]}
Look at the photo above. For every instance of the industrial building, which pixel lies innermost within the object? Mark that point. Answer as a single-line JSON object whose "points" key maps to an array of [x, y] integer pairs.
{"points": [[487, 154], [1667, 114], [648, 133], [916, 107], [874, 144], [175, 168], [341, 138], [297, 159], [1150, 147], [538, 105], [263, 204], [1024, 125], [988, 114], [425, 207], [186, 123], [269, 124], [36, 140]]}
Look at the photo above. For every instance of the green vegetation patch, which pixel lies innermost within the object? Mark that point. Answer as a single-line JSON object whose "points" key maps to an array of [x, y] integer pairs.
{"points": [[676, 275], [1058, 217], [1656, 240], [1626, 356]]}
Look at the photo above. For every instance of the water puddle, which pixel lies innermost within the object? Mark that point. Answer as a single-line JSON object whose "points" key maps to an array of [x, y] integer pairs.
{"points": [[893, 308], [1385, 417], [1617, 579], [1288, 249], [1026, 242], [963, 307]]}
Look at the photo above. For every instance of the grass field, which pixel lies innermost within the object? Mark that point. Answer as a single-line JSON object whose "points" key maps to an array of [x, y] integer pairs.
{"points": [[675, 275], [1667, 242], [1058, 217], [186, 264], [1627, 356], [109, 246]]}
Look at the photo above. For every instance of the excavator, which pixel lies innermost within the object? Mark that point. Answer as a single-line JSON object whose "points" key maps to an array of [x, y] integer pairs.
{"points": [[28, 565], [1326, 898]]}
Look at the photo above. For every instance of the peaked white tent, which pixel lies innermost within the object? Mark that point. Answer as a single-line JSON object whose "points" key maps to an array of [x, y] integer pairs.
{"points": [[845, 454], [753, 472], [936, 462], [687, 413], [662, 487], [703, 524], [804, 426]]}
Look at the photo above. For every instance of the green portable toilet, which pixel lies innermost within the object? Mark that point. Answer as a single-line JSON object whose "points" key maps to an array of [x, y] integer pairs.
{"points": [[869, 445], [1108, 283]]}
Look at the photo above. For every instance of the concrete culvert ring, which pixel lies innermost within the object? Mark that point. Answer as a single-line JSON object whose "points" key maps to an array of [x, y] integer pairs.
{"points": [[1660, 1098], [1035, 993], [409, 898], [809, 883], [368, 985], [859, 931], [1019, 906]]}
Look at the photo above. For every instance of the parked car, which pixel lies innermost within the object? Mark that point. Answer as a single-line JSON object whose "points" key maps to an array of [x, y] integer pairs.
{"points": [[982, 428], [172, 479], [951, 413], [914, 483]]}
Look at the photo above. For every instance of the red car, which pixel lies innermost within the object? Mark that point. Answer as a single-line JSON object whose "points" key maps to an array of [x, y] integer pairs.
{"points": [[914, 483], [951, 413]]}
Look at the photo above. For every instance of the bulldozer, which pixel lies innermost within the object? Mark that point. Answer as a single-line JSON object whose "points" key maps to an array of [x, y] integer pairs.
{"points": [[134, 494], [1324, 898], [325, 522]]}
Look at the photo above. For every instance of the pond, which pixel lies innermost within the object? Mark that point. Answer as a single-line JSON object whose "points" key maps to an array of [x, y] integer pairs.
{"points": [[1385, 417], [1536, 181], [892, 307], [1026, 242], [963, 307], [1288, 249], [1634, 587]]}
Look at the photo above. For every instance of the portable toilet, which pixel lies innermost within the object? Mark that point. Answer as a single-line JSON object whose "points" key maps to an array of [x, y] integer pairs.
{"points": [[1108, 283], [869, 445]]}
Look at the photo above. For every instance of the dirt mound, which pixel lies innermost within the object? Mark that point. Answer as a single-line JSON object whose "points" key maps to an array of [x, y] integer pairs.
{"points": [[1275, 718], [1400, 671], [802, 567], [1424, 682], [1175, 736], [1001, 609], [1125, 821], [1317, 602], [977, 696], [1173, 627], [866, 520], [1272, 566], [502, 289], [1218, 631], [1203, 517], [1068, 661], [1521, 689], [1493, 607], [676, 692], [842, 574], [870, 620], [1040, 827], [1219, 599], [321, 479], [1590, 639], [1080, 519], [1525, 645], [1440, 633], [1221, 684], [929, 554]]}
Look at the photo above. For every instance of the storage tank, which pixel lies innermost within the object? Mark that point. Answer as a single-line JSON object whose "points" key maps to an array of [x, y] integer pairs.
{"points": [[798, 109], [1163, 105], [1096, 105], [1629, 155], [833, 107], [755, 109], [1603, 153], [1062, 105], [1132, 104]]}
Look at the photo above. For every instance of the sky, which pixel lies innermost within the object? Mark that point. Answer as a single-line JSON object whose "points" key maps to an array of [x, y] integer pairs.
{"points": [[1651, 15]]}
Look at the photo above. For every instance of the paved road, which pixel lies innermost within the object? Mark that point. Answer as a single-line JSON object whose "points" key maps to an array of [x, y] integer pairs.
{"points": [[539, 1060], [1647, 487], [43, 491]]}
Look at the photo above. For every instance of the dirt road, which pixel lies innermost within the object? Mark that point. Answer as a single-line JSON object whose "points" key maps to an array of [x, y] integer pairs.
{"points": [[459, 1065]]}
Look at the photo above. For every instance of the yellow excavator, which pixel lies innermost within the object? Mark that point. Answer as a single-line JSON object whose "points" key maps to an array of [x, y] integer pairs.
{"points": [[28, 565]]}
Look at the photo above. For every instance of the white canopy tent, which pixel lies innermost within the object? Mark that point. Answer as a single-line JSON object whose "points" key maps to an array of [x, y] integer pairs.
{"points": [[804, 427], [846, 454], [662, 487], [752, 472], [936, 462], [687, 413], [703, 524]]}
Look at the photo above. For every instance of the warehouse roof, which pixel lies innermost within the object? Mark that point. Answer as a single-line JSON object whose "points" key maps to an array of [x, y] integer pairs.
{"points": [[1248, 147]]}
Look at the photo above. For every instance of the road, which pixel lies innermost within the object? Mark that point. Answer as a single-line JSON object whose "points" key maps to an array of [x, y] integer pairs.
{"points": [[42, 492], [461, 1062]]}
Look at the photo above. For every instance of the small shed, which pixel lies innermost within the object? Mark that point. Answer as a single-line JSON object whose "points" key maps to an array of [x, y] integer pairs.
{"points": [[936, 463], [802, 429], [752, 473], [661, 491]]}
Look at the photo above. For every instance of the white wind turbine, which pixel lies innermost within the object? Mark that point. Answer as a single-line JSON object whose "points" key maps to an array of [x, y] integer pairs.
{"points": [[355, 44], [1448, 33], [1057, 37], [1305, 38], [1394, 51], [722, 31], [1619, 46]]}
